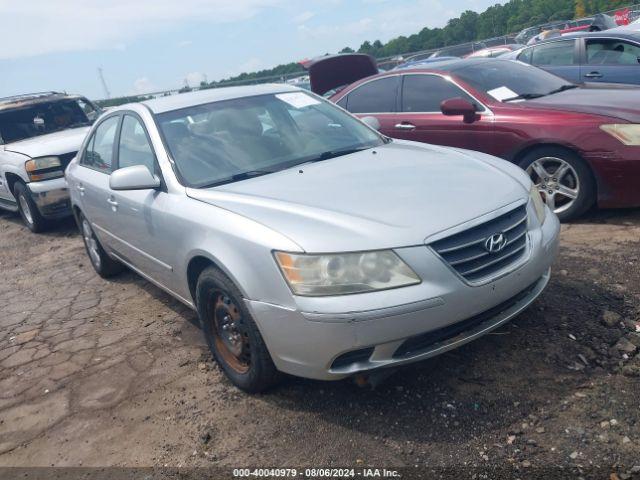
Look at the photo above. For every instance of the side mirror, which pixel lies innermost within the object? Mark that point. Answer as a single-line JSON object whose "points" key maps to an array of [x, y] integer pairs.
{"points": [[459, 106], [373, 122], [137, 177]]}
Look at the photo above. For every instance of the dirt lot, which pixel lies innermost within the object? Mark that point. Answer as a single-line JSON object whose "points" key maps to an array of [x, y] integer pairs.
{"points": [[99, 373]]}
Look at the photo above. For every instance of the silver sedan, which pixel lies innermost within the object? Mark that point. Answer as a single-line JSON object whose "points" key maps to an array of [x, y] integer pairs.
{"points": [[307, 242]]}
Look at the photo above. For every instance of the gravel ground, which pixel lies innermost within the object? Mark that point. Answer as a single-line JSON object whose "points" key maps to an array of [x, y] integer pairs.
{"points": [[116, 373]]}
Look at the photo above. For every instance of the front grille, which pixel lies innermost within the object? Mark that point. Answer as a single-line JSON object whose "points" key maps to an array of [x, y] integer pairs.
{"points": [[66, 158], [467, 254], [420, 343]]}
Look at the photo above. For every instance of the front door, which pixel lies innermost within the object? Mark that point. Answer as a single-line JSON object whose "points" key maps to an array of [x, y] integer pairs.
{"points": [[136, 224], [420, 118]]}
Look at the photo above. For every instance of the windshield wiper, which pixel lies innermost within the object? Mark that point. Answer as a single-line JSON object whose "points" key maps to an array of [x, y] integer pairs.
{"points": [[524, 96], [335, 153], [562, 89], [237, 177]]}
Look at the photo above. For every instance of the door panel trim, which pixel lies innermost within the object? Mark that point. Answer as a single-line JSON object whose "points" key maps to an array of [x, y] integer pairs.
{"points": [[134, 248], [188, 303]]}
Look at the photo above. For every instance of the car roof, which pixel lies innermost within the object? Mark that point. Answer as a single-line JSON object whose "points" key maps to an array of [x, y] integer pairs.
{"points": [[452, 65], [190, 99], [17, 101], [604, 34]]}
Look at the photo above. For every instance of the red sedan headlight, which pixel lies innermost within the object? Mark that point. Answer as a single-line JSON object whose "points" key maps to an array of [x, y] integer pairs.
{"points": [[627, 133]]}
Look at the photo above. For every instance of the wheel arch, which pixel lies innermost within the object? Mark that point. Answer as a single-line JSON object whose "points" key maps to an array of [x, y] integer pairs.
{"points": [[12, 179], [200, 261], [520, 154]]}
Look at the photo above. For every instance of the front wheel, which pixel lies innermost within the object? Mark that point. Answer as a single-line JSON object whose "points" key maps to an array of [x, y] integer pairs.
{"points": [[563, 179], [232, 334], [28, 209]]}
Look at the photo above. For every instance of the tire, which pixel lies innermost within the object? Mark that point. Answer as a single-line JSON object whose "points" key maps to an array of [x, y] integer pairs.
{"points": [[574, 192], [102, 263], [28, 209], [232, 335]]}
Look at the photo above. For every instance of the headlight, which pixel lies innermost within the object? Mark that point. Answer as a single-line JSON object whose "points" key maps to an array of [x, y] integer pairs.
{"points": [[44, 168], [538, 204], [627, 133], [344, 273]]}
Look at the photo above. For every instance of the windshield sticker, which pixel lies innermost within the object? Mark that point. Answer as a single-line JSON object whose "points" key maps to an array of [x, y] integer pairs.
{"points": [[297, 99], [502, 93]]}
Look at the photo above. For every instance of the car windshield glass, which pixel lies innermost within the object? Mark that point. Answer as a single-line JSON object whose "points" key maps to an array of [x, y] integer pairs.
{"points": [[506, 80], [232, 140], [39, 119]]}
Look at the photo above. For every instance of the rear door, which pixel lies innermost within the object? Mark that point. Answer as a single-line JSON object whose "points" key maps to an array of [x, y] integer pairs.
{"points": [[92, 177], [378, 98], [420, 118], [610, 60], [559, 57]]}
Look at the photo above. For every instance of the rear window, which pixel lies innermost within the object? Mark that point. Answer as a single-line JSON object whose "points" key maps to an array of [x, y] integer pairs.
{"points": [[376, 96], [40, 119]]}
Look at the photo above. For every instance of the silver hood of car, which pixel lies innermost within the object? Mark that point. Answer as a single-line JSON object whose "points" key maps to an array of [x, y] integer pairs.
{"points": [[392, 196], [56, 143]]}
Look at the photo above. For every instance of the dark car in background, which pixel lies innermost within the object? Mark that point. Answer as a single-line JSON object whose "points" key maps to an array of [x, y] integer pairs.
{"points": [[581, 146], [587, 57]]}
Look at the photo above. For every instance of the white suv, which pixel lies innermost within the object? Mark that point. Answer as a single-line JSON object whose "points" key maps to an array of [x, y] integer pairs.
{"points": [[39, 135]]}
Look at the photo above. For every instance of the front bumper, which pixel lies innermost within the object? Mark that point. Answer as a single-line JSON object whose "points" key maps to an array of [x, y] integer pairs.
{"points": [[334, 337], [51, 197]]}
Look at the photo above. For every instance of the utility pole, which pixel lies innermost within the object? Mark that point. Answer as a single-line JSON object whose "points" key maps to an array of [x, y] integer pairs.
{"points": [[104, 84]]}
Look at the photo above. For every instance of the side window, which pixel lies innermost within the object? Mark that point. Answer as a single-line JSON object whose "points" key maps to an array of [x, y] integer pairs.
{"points": [[425, 93], [343, 102], [525, 56], [99, 152], [554, 53], [604, 51], [89, 110], [377, 96], [134, 148]]}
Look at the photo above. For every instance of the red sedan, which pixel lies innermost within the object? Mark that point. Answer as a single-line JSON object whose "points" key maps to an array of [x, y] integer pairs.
{"points": [[581, 146]]}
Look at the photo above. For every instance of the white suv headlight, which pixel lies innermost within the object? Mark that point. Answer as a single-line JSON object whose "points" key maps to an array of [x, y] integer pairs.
{"points": [[44, 168], [538, 204], [344, 273]]}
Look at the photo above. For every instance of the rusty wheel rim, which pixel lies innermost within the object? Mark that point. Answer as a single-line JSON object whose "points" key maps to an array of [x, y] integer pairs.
{"points": [[229, 333]]}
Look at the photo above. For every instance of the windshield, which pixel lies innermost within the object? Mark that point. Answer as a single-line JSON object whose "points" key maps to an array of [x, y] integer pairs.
{"points": [[232, 140], [42, 118], [506, 79]]}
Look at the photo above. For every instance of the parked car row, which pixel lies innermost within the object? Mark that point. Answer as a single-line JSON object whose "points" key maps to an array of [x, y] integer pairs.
{"points": [[291, 226], [595, 23]]}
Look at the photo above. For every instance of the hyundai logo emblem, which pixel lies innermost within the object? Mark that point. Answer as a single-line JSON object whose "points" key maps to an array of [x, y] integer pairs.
{"points": [[495, 243]]}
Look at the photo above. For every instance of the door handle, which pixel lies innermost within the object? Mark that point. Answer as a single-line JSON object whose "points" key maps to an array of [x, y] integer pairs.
{"points": [[405, 126], [80, 188], [593, 75], [113, 203]]}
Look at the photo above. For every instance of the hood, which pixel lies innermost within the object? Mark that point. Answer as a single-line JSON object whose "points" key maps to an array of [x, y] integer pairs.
{"points": [[395, 197], [333, 71], [57, 143], [623, 103]]}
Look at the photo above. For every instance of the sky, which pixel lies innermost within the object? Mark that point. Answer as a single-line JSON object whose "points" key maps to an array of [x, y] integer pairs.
{"points": [[144, 46]]}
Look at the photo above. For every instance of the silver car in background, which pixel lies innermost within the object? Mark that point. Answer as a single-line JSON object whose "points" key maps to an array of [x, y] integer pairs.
{"points": [[307, 242]]}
